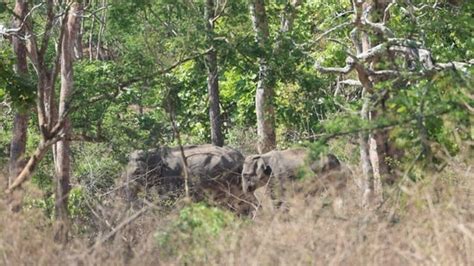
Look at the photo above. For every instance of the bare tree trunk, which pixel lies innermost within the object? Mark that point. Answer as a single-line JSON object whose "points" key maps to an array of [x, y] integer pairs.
{"points": [[102, 20], [288, 15], [381, 136], [264, 99], [78, 46], [63, 167], [51, 124], [91, 35], [367, 169], [213, 78], [368, 146], [20, 123]]}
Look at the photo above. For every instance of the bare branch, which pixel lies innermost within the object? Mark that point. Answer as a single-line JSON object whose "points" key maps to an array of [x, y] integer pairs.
{"points": [[183, 60], [355, 40], [47, 33], [14, 31], [377, 27], [350, 64], [93, 12], [373, 52], [331, 30], [33, 162], [386, 11], [120, 226], [217, 14], [455, 65], [351, 82]]}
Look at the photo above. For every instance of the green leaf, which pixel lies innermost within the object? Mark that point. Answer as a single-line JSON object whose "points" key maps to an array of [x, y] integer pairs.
{"points": [[3, 7]]}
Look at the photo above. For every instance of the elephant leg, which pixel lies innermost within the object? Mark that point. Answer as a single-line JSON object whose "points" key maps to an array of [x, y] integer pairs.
{"points": [[278, 191]]}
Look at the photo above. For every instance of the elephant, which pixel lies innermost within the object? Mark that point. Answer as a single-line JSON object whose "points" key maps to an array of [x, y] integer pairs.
{"points": [[214, 173], [276, 168]]}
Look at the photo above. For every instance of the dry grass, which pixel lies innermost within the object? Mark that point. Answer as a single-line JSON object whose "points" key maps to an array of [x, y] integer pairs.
{"points": [[425, 223]]}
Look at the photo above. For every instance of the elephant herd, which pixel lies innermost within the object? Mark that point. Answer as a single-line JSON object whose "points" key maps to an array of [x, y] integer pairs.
{"points": [[221, 174]]}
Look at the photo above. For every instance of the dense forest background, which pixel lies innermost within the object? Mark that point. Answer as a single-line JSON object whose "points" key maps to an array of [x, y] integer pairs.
{"points": [[385, 85]]}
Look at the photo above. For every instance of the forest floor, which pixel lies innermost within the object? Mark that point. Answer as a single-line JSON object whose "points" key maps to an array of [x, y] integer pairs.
{"points": [[426, 222]]}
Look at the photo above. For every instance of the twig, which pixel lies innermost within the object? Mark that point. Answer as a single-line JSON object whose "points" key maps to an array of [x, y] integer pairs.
{"points": [[22, 24], [331, 30], [120, 226], [327, 136]]}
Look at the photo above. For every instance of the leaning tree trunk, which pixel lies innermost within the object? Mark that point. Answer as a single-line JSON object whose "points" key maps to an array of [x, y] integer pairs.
{"points": [[265, 92], [213, 78], [20, 123], [63, 167]]}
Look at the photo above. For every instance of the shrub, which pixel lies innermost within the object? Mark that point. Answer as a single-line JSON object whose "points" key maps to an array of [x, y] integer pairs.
{"points": [[191, 234]]}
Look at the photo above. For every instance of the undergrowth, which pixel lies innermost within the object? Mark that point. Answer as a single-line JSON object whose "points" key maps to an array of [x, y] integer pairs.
{"points": [[425, 222]]}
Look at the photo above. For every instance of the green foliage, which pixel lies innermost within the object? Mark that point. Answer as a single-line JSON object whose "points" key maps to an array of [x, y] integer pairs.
{"points": [[76, 204], [19, 89], [3, 7], [125, 103], [95, 168], [45, 204], [193, 230]]}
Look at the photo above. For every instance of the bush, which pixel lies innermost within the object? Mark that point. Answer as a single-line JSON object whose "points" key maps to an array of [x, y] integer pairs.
{"points": [[191, 234]]}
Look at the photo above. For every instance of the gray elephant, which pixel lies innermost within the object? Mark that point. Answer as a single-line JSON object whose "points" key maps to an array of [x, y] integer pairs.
{"points": [[214, 173], [276, 168]]}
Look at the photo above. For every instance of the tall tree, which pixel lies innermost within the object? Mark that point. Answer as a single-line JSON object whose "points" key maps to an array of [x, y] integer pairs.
{"points": [[62, 148], [378, 56], [213, 76], [20, 123], [264, 98], [53, 122]]}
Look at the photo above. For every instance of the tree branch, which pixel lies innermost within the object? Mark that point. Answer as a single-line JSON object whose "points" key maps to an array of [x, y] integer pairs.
{"points": [[350, 65], [14, 31], [377, 27], [324, 34], [351, 82]]}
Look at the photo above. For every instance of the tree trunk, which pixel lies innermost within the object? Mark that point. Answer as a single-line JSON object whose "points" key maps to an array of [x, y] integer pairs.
{"points": [[20, 123], [368, 147], [383, 146], [78, 46], [265, 92], [18, 145], [366, 163], [102, 21], [63, 167], [213, 78]]}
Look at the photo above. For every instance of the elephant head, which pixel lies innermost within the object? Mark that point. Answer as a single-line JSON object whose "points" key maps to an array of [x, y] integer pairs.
{"points": [[256, 172]]}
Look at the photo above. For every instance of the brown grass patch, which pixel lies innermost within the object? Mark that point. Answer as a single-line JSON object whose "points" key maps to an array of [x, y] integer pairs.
{"points": [[428, 222]]}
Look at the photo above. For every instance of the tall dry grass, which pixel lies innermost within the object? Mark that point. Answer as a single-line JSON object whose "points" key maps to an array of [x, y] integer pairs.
{"points": [[430, 222]]}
